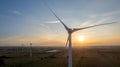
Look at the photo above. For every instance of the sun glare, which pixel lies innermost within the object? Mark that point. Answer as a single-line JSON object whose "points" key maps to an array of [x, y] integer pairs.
{"points": [[81, 38]]}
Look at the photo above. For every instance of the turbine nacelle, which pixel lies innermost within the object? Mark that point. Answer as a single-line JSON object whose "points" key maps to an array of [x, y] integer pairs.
{"points": [[69, 30]]}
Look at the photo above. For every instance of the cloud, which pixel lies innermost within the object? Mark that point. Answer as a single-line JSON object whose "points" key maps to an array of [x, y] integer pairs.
{"points": [[102, 18], [45, 26], [52, 22], [111, 13], [10, 38], [17, 12], [87, 23]]}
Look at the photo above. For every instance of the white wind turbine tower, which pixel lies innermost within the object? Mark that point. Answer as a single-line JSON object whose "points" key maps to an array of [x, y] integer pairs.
{"points": [[30, 49], [22, 47], [70, 31]]}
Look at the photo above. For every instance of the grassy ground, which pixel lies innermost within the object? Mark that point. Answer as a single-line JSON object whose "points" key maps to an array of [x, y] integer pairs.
{"points": [[82, 57]]}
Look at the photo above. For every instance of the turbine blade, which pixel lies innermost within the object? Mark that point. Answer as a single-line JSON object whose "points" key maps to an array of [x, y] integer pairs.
{"points": [[67, 42], [76, 29], [56, 16]]}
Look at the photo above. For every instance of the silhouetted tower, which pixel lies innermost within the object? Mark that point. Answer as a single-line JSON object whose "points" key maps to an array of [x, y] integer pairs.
{"points": [[22, 47], [30, 49]]}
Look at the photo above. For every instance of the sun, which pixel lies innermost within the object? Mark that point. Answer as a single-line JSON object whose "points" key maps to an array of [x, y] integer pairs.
{"points": [[81, 38]]}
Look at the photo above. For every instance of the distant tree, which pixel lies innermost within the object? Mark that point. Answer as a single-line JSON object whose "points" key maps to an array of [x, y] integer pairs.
{"points": [[2, 62]]}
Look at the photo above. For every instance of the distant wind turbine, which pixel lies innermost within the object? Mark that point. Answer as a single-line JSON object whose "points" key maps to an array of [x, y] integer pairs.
{"points": [[70, 31], [22, 47], [30, 49]]}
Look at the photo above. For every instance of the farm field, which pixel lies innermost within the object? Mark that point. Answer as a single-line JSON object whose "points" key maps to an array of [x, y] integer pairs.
{"points": [[44, 57]]}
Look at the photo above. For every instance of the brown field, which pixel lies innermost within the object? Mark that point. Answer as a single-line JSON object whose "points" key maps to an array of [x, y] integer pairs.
{"points": [[82, 57]]}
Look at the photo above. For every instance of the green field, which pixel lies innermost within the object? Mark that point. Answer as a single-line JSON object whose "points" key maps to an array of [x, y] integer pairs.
{"points": [[82, 57]]}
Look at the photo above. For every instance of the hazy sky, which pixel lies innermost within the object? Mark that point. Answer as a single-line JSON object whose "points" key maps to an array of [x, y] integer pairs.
{"points": [[25, 21]]}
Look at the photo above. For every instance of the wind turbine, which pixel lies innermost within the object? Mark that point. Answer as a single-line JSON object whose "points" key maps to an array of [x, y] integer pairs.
{"points": [[22, 47], [70, 31], [30, 49]]}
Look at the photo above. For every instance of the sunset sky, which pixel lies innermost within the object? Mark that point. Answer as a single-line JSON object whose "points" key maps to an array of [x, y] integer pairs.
{"points": [[29, 21]]}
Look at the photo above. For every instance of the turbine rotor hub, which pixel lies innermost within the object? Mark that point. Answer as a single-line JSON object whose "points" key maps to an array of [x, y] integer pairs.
{"points": [[70, 30]]}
